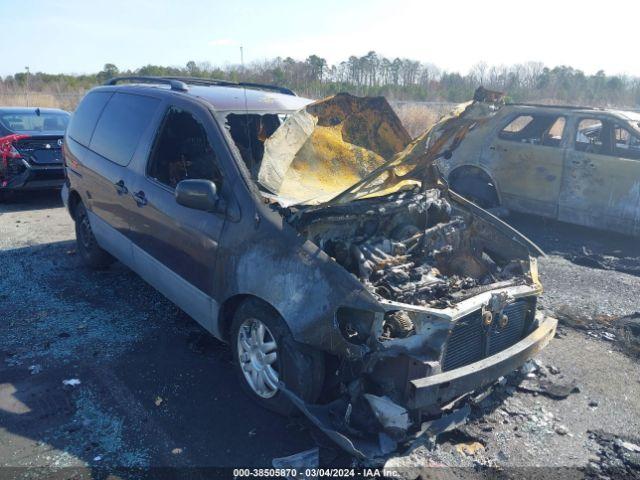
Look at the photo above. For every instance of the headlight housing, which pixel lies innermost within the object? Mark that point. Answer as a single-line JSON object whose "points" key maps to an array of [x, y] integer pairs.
{"points": [[358, 326]]}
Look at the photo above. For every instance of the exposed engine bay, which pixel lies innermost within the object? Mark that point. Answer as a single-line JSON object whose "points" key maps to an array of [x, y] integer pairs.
{"points": [[415, 248]]}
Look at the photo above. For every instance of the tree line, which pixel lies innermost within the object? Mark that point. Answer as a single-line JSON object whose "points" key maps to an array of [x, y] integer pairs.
{"points": [[399, 79]]}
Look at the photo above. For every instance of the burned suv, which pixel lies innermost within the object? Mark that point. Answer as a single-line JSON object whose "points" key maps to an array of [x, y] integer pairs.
{"points": [[315, 237]]}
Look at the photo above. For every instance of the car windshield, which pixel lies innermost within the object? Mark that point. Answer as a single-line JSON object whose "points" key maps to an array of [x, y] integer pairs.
{"points": [[35, 121]]}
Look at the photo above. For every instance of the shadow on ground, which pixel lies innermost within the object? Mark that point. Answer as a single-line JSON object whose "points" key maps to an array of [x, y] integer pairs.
{"points": [[564, 238], [30, 200], [155, 388]]}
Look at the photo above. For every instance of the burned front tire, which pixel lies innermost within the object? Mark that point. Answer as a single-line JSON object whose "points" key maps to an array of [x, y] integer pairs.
{"points": [[92, 254], [265, 355]]}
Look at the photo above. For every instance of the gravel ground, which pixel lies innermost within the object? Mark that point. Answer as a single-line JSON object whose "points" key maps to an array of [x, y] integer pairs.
{"points": [[156, 390]]}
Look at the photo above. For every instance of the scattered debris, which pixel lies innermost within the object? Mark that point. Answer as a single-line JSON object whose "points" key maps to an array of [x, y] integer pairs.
{"points": [[35, 369], [72, 382], [158, 401], [393, 417], [618, 457], [632, 447], [176, 451], [561, 430], [470, 448], [97, 458], [252, 432], [553, 389], [448, 421], [553, 369], [623, 330], [299, 461], [587, 258]]}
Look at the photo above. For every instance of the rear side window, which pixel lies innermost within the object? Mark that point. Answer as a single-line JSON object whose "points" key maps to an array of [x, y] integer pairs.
{"points": [[544, 130], [121, 125], [627, 144], [86, 115], [592, 136]]}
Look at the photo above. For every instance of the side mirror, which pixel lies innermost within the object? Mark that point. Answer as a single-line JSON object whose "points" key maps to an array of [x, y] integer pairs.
{"points": [[198, 194]]}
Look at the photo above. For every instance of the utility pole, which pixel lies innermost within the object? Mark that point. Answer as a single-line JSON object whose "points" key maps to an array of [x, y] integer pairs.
{"points": [[27, 69]]}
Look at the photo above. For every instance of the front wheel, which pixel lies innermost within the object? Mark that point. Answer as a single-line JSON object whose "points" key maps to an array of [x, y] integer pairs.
{"points": [[266, 354]]}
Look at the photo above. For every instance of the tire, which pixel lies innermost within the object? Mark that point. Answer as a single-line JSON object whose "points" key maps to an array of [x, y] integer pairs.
{"points": [[92, 255], [299, 367]]}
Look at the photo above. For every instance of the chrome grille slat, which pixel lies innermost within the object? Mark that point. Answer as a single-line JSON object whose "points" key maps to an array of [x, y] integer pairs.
{"points": [[468, 342]]}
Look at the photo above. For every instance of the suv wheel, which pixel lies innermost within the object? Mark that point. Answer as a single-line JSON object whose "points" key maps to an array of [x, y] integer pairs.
{"points": [[90, 251], [265, 354]]}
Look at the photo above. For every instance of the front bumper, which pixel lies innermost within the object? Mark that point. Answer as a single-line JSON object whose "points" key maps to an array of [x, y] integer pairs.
{"points": [[35, 177], [444, 387]]}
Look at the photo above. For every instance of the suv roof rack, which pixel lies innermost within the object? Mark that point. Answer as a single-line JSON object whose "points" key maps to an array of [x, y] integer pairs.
{"points": [[228, 83], [566, 107], [181, 83], [175, 84]]}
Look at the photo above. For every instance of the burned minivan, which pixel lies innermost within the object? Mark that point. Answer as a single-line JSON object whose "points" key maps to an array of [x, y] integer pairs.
{"points": [[316, 238]]}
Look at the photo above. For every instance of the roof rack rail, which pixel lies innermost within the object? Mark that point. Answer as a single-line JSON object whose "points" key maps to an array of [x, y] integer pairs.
{"points": [[566, 107], [175, 84], [228, 83]]}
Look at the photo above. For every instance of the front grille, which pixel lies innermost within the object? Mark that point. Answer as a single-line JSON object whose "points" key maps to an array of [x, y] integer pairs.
{"points": [[470, 341]]}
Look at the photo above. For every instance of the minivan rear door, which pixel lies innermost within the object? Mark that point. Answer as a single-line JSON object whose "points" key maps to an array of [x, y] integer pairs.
{"points": [[123, 121]]}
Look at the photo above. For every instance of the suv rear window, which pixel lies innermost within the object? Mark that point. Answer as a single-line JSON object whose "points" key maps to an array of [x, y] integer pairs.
{"points": [[86, 115], [121, 125], [35, 121]]}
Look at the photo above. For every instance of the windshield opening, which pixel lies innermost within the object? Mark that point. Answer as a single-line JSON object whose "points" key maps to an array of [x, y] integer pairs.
{"points": [[35, 121], [310, 156], [249, 132]]}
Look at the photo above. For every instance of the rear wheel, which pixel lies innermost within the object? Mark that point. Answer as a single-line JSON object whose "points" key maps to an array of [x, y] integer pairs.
{"points": [[266, 354], [92, 254]]}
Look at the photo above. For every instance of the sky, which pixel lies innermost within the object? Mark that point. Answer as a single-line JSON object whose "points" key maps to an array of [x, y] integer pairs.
{"points": [[80, 36]]}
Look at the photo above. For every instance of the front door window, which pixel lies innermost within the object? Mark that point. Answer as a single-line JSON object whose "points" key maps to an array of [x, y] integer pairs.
{"points": [[182, 151]]}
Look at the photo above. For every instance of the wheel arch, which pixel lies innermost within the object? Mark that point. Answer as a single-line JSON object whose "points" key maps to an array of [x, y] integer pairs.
{"points": [[230, 306], [473, 170]]}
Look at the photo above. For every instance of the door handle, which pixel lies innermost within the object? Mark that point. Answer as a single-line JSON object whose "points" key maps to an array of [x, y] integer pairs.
{"points": [[140, 198], [121, 187]]}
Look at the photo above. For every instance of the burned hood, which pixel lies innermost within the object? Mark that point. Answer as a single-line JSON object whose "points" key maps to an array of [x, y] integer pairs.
{"points": [[346, 147], [328, 146], [415, 163]]}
